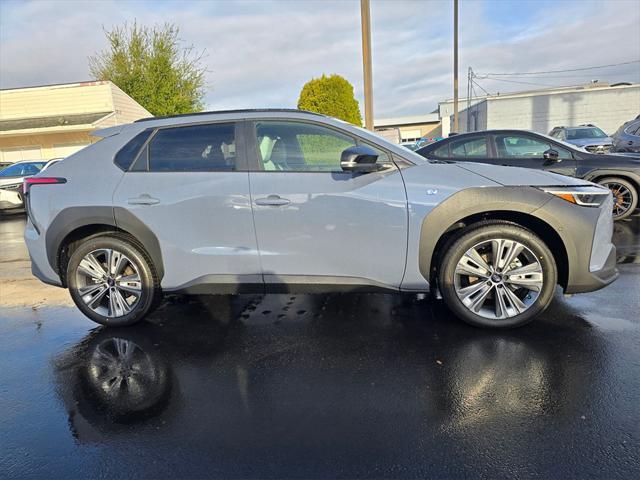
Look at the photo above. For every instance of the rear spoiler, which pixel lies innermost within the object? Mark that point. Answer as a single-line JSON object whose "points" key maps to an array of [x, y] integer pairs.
{"points": [[107, 132]]}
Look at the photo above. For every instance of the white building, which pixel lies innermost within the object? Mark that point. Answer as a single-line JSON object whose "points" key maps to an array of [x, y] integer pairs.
{"points": [[56, 120], [409, 128], [606, 106]]}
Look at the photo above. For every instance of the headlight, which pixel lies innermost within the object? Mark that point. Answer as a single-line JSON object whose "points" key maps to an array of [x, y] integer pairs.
{"points": [[587, 196]]}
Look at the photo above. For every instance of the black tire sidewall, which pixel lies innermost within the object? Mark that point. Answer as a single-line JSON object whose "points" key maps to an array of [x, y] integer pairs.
{"points": [[149, 286], [472, 237]]}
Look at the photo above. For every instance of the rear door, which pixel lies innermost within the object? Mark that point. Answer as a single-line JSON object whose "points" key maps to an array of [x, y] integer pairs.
{"points": [[189, 185], [525, 150], [318, 225]]}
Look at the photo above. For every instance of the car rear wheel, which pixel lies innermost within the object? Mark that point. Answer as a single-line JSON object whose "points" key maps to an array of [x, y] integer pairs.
{"points": [[111, 280], [497, 275], [625, 196]]}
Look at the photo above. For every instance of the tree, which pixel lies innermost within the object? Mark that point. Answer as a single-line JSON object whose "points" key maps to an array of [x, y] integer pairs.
{"points": [[332, 95], [150, 65]]}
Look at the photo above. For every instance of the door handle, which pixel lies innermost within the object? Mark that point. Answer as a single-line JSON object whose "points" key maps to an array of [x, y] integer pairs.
{"points": [[144, 199], [272, 201]]}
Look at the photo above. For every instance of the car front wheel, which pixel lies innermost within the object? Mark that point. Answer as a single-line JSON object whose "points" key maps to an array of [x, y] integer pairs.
{"points": [[111, 280], [497, 275]]}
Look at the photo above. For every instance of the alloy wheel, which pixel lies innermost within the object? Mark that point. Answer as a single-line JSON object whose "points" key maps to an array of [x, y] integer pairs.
{"points": [[109, 282], [122, 372], [498, 278], [622, 196]]}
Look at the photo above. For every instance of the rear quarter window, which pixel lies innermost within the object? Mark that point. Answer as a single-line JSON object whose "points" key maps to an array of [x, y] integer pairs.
{"points": [[127, 154]]}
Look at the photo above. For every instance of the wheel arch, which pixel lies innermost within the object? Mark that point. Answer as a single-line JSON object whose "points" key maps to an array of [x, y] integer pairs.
{"points": [[602, 174], [75, 223], [517, 205], [538, 226]]}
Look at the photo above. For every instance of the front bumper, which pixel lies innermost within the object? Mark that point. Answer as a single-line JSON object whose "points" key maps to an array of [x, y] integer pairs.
{"points": [[586, 281], [586, 234]]}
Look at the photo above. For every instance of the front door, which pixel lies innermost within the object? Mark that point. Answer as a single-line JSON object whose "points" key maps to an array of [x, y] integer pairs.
{"points": [[318, 225], [523, 150], [190, 188]]}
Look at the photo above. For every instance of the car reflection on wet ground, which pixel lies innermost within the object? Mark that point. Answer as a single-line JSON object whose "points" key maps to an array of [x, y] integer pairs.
{"points": [[326, 386]]}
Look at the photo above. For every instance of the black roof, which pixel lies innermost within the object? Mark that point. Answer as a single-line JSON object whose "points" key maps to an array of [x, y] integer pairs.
{"points": [[245, 110]]}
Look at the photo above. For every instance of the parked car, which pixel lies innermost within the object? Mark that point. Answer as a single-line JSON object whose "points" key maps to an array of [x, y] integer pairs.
{"points": [[11, 179], [290, 201], [589, 137], [627, 138], [521, 148]]}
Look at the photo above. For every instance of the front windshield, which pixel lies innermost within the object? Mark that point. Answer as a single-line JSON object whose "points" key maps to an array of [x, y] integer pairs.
{"points": [[561, 142], [22, 169], [580, 133]]}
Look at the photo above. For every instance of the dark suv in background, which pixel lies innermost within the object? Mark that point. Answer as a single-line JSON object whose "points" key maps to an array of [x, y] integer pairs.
{"points": [[627, 138], [589, 137], [521, 148]]}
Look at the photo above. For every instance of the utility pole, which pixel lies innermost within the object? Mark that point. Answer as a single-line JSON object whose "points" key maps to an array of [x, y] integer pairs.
{"points": [[469, 92], [455, 66], [366, 63]]}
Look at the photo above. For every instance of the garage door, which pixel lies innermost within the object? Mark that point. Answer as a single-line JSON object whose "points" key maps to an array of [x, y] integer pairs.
{"points": [[10, 155], [63, 150]]}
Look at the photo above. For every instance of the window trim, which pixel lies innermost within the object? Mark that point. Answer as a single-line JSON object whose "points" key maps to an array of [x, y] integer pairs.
{"points": [[241, 157], [253, 155]]}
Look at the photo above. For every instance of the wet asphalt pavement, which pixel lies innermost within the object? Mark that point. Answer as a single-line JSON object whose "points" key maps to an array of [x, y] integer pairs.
{"points": [[325, 386]]}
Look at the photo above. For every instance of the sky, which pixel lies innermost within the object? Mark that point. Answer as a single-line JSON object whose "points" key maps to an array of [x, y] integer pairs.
{"points": [[260, 53]]}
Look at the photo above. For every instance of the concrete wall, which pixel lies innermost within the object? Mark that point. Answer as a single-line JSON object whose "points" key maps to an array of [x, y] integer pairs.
{"points": [[540, 111], [608, 108]]}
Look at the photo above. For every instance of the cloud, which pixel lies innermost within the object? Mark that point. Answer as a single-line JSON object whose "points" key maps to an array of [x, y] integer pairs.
{"points": [[260, 53]]}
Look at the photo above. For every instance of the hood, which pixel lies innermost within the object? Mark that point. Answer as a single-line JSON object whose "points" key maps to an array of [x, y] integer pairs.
{"points": [[517, 176], [582, 142]]}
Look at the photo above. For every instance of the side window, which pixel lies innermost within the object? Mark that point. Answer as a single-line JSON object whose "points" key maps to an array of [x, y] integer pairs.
{"points": [[562, 153], [127, 154], [300, 147], [442, 152], [383, 158], [469, 147], [195, 148], [516, 146]]}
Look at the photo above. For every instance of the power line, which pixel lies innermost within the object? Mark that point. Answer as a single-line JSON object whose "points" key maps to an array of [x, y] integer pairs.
{"points": [[523, 83], [479, 86], [582, 75], [561, 71]]}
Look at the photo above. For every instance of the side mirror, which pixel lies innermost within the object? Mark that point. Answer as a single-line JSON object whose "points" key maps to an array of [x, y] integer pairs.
{"points": [[359, 159], [551, 156]]}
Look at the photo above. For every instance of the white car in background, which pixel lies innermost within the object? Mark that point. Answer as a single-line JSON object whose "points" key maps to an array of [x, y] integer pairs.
{"points": [[11, 178]]}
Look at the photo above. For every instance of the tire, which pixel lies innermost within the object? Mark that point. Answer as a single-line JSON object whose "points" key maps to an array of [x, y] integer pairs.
{"points": [[124, 298], [625, 196], [124, 375], [499, 299]]}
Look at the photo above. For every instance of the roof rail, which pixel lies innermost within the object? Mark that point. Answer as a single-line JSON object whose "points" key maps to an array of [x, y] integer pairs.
{"points": [[245, 110]]}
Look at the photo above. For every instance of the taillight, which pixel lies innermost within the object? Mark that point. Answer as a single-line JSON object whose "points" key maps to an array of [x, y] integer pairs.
{"points": [[30, 181]]}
